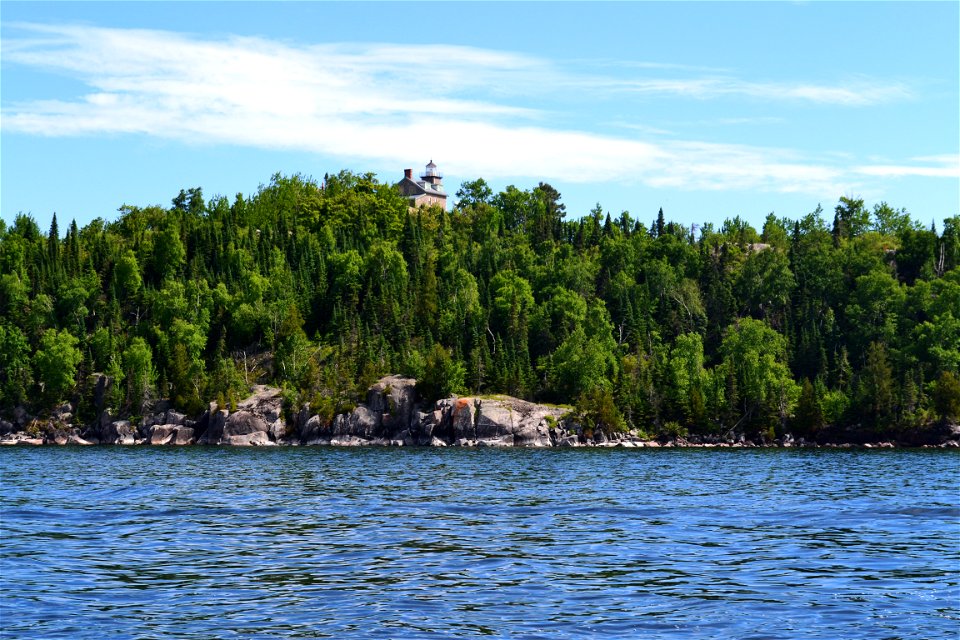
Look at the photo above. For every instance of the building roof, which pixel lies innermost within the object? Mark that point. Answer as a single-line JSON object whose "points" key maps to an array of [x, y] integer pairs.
{"points": [[421, 187]]}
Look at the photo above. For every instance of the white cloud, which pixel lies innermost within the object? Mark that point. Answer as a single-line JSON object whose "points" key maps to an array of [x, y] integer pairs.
{"points": [[939, 166], [854, 94], [369, 101]]}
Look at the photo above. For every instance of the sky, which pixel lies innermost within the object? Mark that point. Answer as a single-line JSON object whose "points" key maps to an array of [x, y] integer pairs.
{"points": [[708, 110]]}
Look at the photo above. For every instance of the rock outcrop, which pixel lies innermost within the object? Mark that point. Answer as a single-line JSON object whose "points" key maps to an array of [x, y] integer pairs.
{"points": [[391, 415], [172, 434], [258, 421]]}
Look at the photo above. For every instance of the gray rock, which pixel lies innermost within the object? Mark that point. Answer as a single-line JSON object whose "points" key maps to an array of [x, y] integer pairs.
{"points": [[174, 417], [255, 439], [152, 419], [503, 441], [118, 432], [494, 420], [303, 417], [310, 430], [243, 423], [101, 387], [161, 434], [277, 430], [461, 419], [256, 422], [390, 416], [362, 422], [265, 402], [217, 423], [505, 420], [394, 397]]}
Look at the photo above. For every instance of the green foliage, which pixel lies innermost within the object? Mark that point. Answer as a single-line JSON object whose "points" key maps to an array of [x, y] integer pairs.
{"points": [[755, 354], [875, 386], [56, 361], [15, 374], [139, 373], [322, 289], [442, 375], [598, 410], [946, 396], [809, 415]]}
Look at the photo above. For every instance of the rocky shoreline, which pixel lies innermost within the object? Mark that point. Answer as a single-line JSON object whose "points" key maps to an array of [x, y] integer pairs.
{"points": [[390, 416]]}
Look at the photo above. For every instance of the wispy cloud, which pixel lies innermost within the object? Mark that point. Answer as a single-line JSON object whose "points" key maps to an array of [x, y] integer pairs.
{"points": [[371, 101], [855, 93], [940, 166]]}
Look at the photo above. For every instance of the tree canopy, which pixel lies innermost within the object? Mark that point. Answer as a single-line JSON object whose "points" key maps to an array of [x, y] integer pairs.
{"points": [[324, 288]]}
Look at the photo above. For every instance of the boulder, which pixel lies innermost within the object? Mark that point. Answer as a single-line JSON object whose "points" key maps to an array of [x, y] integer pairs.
{"points": [[494, 420], [504, 421], [569, 441], [257, 421], [265, 402], [310, 430], [173, 417], [389, 412], [243, 423], [303, 417], [216, 423], [118, 432], [505, 440], [183, 435], [172, 434], [461, 420], [394, 398], [255, 439], [348, 441], [277, 430], [436, 424], [362, 422], [152, 419]]}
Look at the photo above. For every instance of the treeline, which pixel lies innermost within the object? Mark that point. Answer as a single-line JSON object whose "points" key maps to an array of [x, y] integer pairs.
{"points": [[803, 325]]}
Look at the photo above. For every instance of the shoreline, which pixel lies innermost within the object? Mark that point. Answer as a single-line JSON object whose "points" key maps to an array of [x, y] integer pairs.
{"points": [[393, 416], [22, 439]]}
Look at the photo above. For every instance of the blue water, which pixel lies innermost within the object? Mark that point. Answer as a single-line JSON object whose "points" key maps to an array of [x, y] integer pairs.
{"points": [[156, 542]]}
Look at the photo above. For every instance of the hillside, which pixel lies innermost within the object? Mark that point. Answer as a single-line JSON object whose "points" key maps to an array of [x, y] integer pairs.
{"points": [[850, 323]]}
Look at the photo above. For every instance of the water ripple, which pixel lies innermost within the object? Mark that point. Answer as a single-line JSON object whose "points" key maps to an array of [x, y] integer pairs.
{"points": [[393, 543]]}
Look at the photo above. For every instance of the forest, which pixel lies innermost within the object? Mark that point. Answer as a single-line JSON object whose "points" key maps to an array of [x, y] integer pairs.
{"points": [[840, 320]]}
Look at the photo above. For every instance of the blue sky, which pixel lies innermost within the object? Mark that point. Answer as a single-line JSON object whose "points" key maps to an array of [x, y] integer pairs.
{"points": [[709, 110]]}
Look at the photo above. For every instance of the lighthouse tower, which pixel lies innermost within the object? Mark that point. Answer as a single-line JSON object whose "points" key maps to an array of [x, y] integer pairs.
{"points": [[432, 176]]}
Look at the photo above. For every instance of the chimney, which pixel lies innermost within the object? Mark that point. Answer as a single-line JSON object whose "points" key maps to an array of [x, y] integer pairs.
{"points": [[408, 174]]}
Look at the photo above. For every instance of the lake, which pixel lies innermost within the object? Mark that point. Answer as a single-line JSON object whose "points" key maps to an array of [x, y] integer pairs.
{"points": [[151, 542]]}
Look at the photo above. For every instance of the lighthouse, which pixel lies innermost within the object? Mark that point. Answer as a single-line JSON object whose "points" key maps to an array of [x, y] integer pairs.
{"points": [[426, 191]]}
